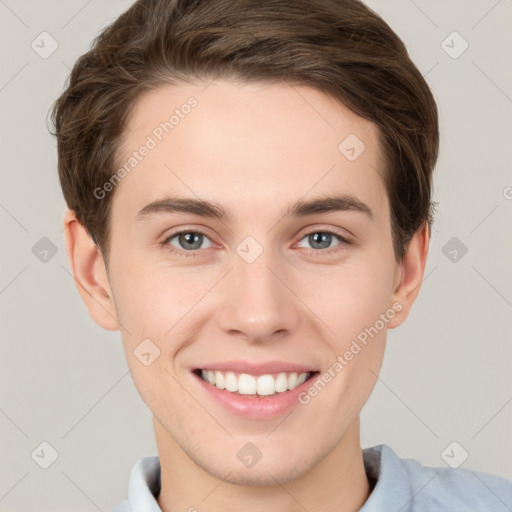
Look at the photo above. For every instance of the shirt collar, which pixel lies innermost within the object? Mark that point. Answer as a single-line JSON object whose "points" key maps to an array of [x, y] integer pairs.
{"points": [[392, 490], [144, 485]]}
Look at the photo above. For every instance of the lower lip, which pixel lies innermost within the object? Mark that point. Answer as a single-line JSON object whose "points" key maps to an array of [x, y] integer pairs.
{"points": [[253, 406]]}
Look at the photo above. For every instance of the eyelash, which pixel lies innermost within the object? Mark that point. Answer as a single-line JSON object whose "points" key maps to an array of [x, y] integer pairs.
{"points": [[333, 250]]}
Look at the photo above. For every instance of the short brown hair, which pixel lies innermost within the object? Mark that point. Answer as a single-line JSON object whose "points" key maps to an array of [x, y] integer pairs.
{"points": [[340, 47]]}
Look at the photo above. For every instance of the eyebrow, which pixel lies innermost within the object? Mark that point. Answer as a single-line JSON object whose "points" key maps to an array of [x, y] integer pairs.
{"points": [[207, 209]]}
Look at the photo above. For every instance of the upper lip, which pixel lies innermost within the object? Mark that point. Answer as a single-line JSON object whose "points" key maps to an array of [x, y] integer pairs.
{"points": [[254, 368]]}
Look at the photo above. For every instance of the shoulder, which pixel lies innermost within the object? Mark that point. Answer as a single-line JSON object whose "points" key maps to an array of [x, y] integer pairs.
{"points": [[427, 488], [462, 488]]}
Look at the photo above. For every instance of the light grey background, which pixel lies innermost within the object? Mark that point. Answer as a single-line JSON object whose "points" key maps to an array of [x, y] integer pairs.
{"points": [[447, 372]]}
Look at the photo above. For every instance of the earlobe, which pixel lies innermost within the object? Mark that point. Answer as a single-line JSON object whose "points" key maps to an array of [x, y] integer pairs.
{"points": [[89, 272], [411, 270]]}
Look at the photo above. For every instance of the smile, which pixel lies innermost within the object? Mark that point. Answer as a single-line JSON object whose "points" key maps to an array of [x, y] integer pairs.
{"points": [[261, 385], [254, 390]]}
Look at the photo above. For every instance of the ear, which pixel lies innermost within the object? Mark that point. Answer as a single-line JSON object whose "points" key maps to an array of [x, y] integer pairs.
{"points": [[411, 273], [90, 273]]}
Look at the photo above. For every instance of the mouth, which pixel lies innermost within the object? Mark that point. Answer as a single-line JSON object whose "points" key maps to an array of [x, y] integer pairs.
{"points": [[246, 384], [254, 390]]}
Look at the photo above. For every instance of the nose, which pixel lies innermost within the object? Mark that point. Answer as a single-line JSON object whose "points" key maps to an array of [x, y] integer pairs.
{"points": [[258, 303]]}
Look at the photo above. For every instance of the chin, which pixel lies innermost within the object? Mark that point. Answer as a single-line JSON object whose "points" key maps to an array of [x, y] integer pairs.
{"points": [[275, 469]]}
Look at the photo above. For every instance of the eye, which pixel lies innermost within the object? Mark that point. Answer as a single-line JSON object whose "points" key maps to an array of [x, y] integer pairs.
{"points": [[187, 241], [191, 242], [322, 240]]}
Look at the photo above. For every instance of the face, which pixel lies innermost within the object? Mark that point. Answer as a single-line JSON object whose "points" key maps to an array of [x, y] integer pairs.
{"points": [[230, 269]]}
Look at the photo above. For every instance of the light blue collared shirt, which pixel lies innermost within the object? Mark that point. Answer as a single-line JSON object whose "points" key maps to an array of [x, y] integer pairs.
{"points": [[401, 485]]}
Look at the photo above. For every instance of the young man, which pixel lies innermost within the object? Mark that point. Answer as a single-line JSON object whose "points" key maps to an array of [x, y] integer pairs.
{"points": [[249, 193]]}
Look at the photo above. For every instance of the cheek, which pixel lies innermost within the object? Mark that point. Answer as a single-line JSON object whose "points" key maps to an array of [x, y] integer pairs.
{"points": [[153, 304], [152, 300], [359, 313], [351, 298], [356, 308]]}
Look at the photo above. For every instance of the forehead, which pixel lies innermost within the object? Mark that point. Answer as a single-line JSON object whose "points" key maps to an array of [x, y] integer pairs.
{"points": [[246, 145]]}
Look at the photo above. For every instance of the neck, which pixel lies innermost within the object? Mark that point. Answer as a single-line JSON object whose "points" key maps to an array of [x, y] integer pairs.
{"points": [[337, 483]]}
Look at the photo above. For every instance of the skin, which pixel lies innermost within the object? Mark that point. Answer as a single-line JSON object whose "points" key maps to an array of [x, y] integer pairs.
{"points": [[254, 149]]}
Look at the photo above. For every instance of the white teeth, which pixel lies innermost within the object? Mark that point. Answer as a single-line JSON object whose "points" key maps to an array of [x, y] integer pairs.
{"points": [[262, 385], [246, 384], [219, 380], [231, 381], [281, 383], [292, 380], [266, 385], [302, 378]]}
